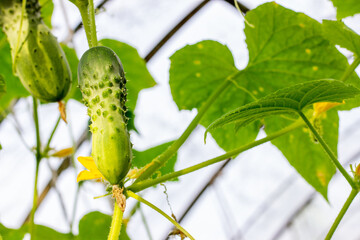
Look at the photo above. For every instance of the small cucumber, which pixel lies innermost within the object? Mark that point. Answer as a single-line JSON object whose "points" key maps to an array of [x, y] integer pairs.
{"points": [[102, 83], [38, 58]]}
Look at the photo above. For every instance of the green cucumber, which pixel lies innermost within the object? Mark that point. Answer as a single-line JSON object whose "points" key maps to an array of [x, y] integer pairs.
{"points": [[102, 83], [38, 58]]}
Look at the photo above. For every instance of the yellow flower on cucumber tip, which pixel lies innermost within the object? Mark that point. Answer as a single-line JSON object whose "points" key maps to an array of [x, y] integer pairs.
{"points": [[91, 173], [322, 107]]}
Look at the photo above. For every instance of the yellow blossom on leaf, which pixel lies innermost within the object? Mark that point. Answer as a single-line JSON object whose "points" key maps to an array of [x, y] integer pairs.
{"points": [[322, 107], [91, 173]]}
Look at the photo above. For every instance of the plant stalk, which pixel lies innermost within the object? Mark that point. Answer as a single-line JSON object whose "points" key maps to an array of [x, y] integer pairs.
{"points": [[350, 69], [341, 214], [136, 187], [140, 199], [87, 12], [47, 147], [329, 152], [38, 159], [116, 223], [173, 148]]}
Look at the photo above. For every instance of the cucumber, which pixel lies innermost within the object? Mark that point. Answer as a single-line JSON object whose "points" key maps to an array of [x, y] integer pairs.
{"points": [[38, 60], [102, 83]]}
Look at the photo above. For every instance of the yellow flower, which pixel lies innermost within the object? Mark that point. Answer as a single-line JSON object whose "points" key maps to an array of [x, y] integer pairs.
{"points": [[357, 170], [91, 173], [63, 153], [322, 107]]}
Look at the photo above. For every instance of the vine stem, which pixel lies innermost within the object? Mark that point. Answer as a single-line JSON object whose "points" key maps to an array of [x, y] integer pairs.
{"points": [[38, 159], [47, 147], [136, 187], [142, 200], [116, 223], [329, 151], [341, 214], [162, 158], [87, 12], [350, 69]]}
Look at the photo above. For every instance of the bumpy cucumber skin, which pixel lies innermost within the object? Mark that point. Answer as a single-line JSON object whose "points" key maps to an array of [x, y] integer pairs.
{"points": [[102, 83], [40, 62]]}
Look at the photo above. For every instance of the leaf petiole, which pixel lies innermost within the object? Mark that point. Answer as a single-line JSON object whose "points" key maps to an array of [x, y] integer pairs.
{"points": [[350, 69], [329, 152], [342, 212]]}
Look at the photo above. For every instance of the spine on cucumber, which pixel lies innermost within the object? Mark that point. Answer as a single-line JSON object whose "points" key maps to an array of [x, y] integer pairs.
{"points": [[102, 83], [38, 59]]}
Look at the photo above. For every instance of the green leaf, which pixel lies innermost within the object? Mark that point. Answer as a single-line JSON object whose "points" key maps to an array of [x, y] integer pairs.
{"points": [[285, 48], [14, 88], [47, 8], [73, 60], [142, 158], [136, 72], [196, 71], [338, 33], [96, 225], [346, 8], [288, 100], [304, 153], [11, 234], [2, 86], [42, 232]]}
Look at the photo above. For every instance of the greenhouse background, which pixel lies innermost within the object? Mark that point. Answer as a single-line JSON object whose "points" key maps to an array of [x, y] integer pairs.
{"points": [[256, 196]]}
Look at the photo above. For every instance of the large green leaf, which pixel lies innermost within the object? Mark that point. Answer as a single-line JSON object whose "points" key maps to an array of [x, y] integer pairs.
{"points": [[338, 33], [346, 8], [96, 225], [42, 232], [286, 48], [73, 60], [144, 157], [288, 100], [136, 72], [11, 234], [196, 72]]}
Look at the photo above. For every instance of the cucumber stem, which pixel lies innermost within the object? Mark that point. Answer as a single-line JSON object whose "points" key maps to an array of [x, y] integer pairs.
{"points": [[329, 152], [38, 159], [173, 148], [350, 69], [341, 214], [87, 12], [116, 223], [136, 187], [140, 199]]}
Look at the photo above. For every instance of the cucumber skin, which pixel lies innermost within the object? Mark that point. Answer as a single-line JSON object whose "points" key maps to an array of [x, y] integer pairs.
{"points": [[102, 83], [41, 63]]}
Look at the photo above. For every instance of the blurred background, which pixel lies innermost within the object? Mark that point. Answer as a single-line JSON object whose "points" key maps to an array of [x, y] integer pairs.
{"points": [[256, 196]]}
